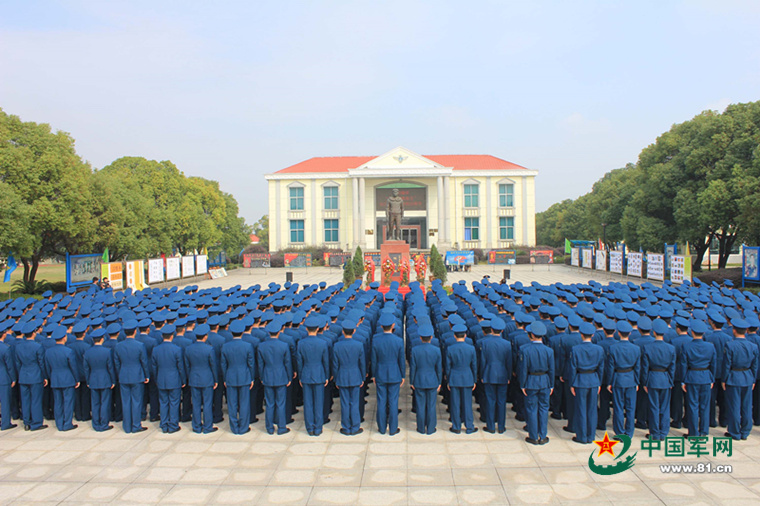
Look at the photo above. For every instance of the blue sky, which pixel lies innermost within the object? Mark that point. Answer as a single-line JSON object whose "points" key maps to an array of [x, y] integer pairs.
{"points": [[234, 90]]}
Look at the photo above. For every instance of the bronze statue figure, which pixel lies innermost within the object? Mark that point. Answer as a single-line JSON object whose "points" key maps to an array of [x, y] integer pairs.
{"points": [[394, 211]]}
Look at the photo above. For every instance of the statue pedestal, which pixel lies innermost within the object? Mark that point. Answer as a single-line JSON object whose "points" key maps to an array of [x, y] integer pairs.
{"points": [[398, 252]]}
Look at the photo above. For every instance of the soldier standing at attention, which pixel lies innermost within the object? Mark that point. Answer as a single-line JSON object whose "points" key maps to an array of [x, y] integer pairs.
{"points": [[389, 367], [61, 365], [313, 364], [425, 374], [200, 363], [659, 368], [586, 371], [131, 362], [350, 368], [101, 378], [462, 374], [276, 372], [740, 368], [535, 371], [697, 364], [239, 373], [495, 371], [32, 377], [623, 372], [168, 368], [7, 379]]}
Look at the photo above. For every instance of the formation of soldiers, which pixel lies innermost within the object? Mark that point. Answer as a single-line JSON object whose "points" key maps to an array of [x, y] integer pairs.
{"points": [[648, 357]]}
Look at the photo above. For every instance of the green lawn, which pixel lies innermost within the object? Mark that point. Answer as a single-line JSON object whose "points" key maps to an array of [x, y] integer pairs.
{"points": [[49, 272]]}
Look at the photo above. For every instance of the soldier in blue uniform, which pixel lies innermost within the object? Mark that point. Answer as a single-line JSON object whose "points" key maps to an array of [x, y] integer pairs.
{"points": [[557, 404], [681, 338], [495, 371], [131, 362], [7, 378], [313, 364], [740, 363], [658, 364], [605, 338], [697, 366], [623, 370], [168, 367], [200, 363], [425, 374], [535, 371], [461, 375], [32, 377], [63, 372], [101, 379], [150, 395], [217, 342], [569, 340], [586, 371], [239, 373], [719, 338], [82, 405], [276, 372], [389, 367], [350, 369]]}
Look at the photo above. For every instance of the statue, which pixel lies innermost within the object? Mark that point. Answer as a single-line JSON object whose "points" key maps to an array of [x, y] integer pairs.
{"points": [[394, 211]]}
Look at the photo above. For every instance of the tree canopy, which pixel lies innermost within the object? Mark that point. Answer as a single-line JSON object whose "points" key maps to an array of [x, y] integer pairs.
{"points": [[54, 203], [698, 182]]}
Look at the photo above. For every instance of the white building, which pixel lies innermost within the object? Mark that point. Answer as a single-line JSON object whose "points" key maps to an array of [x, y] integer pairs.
{"points": [[452, 201]]}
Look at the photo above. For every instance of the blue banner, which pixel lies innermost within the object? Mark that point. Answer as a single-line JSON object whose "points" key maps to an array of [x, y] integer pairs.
{"points": [[460, 257], [750, 263], [9, 268]]}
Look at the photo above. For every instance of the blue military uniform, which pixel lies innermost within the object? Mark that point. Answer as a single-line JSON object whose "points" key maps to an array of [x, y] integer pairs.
{"points": [[389, 368], [63, 372], [495, 371], [30, 364], [168, 367], [313, 364], [200, 363], [349, 366], [658, 364], [697, 367], [623, 369], [7, 380], [586, 371], [101, 377], [425, 375], [535, 371], [276, 372], [82, 404], [239, 373], [719, 338], [569, 340], [740, 363], [131, 362], [461, 373]]}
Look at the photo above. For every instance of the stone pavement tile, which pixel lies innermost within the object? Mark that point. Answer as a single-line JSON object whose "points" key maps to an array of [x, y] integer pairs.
{"points": [[566, 475], [258, 462], [333, 495], [473, 495], [531, 494], [192, 447], [31, 472], [189, 494], [384, 478], [476, 477], [114, 445], [143, 494], [432, 495], [162, 475], [294, 496], [50, 491], [628, 492], [390, 461], [260, 447], [677, 492], [387, 496], [142, 459], [56, 457], [742, 469], [313, 447], [519, 458], [172, 459], [97, 492], [119, 473], [339, 477], [10, 490], [217, 461], [430, 448], [41, 444], [725, 488], [296, 478], [76, 473], [205, 476], [579, 492], [98, 458], [430, 478], [22, 457], [244, 477], [340, 448], [301, 462], [345, 462], [387, 448], [469, 460], [237, 495], [513, 477]]}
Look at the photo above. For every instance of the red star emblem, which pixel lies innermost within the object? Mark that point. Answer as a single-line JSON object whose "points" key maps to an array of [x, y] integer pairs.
{"points": [[605, 445]]}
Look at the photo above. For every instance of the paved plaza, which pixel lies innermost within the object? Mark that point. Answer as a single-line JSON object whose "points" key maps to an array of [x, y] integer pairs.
{"points": [[86, 467]]}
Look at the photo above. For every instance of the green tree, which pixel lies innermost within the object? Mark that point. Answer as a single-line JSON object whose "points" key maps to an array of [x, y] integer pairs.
{"points": [[348, 273], [261, 229], [358, 262], [14, 236], [437, 267]]}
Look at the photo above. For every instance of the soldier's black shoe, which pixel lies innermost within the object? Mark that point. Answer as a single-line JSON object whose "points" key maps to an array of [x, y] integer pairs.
{"points": [[455, 431], [544, 440], [568, 429], [39, 428], [490, 431], [532, 441]]}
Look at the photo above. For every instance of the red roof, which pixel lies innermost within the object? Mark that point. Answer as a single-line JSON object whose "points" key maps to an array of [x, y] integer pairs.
{"points": [[343, 163]]}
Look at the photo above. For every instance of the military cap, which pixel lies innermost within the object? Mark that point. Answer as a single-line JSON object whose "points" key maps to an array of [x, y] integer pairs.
{"points": [[98, 333], [608, 324], [168, 330], [80, 327], [459, 328], [349, 324], [538, 329], [624, 326], [739, 323], [644, 323], [238, 327], [574, 320], [498, 325], [113, 328], [560, 322], [698, 327], [425, 330], [660, 327], [202, 330], [386, 319], [587, 329], [682, 322], [144, 323]]}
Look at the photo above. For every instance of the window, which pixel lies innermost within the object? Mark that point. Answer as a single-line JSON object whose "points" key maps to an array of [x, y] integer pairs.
{"points": [[331, 230], [470, 195], [296, 230], [296, 198], [506, 228], [471, 229], [331, 197], [506, 195]]}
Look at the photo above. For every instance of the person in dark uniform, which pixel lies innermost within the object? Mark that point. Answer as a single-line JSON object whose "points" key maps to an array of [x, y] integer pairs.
{"points": [[32, 376], [216, 341], [462, 374], [200, 363], [495, 371], [101, 379], [313, 364], [623, 371], [389, 367], [7, 379], [719, 338], [239, 373], [82, 406], [606, 339], [697, 365], [586, 371], [659, 368], [740, 363], [150, 396], [276, 372], [425, 374], [677, 397], [535, 371], [63, 372], [349, 366], [131, 363], [569, 340], [168, 367]]}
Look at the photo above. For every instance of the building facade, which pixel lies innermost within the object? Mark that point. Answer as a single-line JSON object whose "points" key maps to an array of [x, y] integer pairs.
{"points": [[452, 201]]}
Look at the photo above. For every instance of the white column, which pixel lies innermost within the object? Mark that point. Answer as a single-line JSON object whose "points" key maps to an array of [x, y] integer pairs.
{"points": [[487, 211], [447, 212], [441, 212], [355, 211], [362, 210]]}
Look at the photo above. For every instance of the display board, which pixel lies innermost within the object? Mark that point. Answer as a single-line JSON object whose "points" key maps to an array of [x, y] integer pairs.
{"points": [[601, 260], [635, 264], [656, 266], [575, 257], [587, 258], [336, 258], [680, 269], [136, 274], [541, 256], [297, 259], [670, 250], [201, 264], [172, 268], [114, 272], [616, 262], [155, 270], [217, 272], [256, 260], [460, 258], [375, 257], [80, 269], [502, 256], [751, 263]]}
